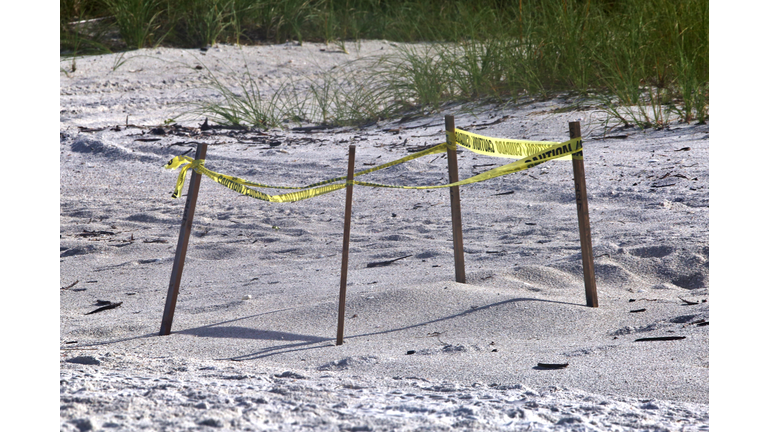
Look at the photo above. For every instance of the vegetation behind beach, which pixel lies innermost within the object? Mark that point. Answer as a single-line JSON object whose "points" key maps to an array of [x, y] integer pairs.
{"points": [[646, 60]]}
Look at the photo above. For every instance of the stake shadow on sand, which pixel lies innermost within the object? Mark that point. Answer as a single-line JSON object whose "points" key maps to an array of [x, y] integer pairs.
{"points": [[311, 342], [233, 332], [302, 342]]}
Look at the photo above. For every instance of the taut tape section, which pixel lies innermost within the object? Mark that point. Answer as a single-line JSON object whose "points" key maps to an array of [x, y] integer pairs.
{"points": [[567, 148], [499, 147], [440, 148]]}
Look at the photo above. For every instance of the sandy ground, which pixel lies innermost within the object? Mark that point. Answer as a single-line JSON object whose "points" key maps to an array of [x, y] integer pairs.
{"points": [[253, 337]]}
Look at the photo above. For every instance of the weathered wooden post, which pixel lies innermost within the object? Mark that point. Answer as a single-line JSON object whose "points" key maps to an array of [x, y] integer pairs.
{"points": [[585, 236], [345, 248], [453, 176], [181, 246]]}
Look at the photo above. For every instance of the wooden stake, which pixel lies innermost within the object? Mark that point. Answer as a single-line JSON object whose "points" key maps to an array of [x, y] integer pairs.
{"points": [[453, 176], [181, 246], [587, 260], [345, 248]]}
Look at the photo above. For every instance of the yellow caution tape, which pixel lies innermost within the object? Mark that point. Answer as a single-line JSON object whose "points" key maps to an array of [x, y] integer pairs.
{"points": [[244, 186], [440, 148], [567, 149], [225, 180], [178, 160], [559, 150], [499, 147]]}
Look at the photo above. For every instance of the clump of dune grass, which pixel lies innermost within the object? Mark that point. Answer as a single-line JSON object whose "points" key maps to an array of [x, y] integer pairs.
{"points": [[241, 106], [138, 20], [203, 23], [348, 95]]}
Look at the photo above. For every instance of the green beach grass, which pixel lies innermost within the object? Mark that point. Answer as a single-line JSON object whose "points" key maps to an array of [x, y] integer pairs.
{"points": [[645, 61]]}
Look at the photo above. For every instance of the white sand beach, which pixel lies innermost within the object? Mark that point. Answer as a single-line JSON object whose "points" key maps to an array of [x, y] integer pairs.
{"points": [[252, 345]]}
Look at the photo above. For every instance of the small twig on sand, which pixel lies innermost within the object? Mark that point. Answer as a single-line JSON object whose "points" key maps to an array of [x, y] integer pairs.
{"points": [[551, 365], [103, 308], [688, 302], [386, 263], [659, 338], [70, 285]]}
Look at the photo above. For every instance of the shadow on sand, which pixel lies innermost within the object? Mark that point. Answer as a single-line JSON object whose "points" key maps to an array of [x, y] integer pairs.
{"points": [[299, 342], [315, 342]]}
